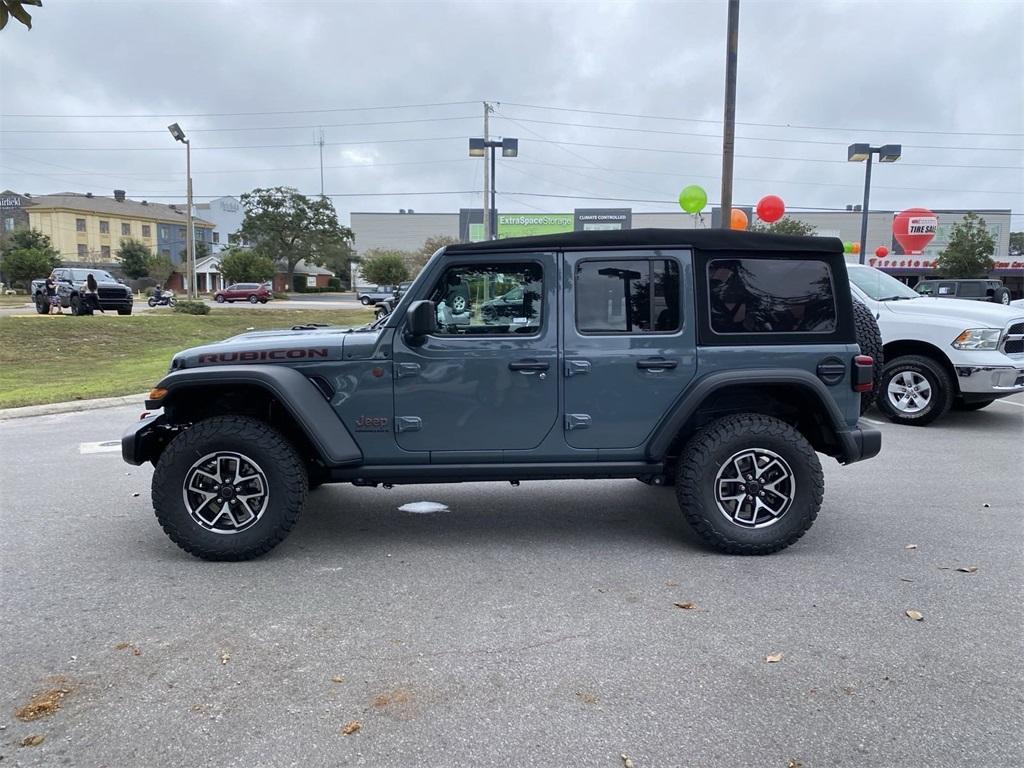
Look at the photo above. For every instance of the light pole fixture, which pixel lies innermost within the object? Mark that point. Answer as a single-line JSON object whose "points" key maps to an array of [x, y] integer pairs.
{"points": [[480, 147], [857, 153], [190, 251]]}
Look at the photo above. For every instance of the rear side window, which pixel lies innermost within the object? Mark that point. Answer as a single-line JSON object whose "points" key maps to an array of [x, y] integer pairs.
{"points": [[771, 296], [628, 296], [972, 290]]}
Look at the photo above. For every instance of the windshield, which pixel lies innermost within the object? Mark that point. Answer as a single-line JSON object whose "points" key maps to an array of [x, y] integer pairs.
{"points": [[880, 286], [83, 274]]}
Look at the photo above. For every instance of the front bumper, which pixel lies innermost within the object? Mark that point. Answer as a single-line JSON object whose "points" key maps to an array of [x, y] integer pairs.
{"points": [[145, 439], [858, 443], [995, 380]]}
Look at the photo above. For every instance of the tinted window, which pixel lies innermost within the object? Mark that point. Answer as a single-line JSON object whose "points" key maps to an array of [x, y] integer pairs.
{"points": [[972, 290], [947, 289], [629, 296], [490, 299], [771, 296]]}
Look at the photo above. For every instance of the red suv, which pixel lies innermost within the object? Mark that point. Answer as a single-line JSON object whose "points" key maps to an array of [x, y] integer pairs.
{"points": [[252, 292]]}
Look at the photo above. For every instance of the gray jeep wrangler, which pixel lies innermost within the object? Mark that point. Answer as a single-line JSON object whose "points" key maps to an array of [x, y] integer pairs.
{"points": [[721, 363]]}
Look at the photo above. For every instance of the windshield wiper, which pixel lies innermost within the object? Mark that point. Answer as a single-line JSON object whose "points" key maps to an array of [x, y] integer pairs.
{"points": [[898, 298]]}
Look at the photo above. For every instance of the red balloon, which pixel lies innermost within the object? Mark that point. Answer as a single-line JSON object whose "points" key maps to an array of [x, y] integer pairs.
{"points": [[881, 251], [770, 208], [914, 228]]}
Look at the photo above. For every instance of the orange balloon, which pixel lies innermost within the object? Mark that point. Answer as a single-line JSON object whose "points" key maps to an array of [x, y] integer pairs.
{"points": [[738, 219], [856, 248]]}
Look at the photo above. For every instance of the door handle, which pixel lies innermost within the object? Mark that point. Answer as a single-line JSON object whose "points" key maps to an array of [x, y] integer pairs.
{"points": [[528, 366], [656, 364]]}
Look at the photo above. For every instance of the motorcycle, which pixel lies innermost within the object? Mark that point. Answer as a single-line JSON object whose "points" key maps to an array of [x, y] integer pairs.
{"points": [[162, 298]]}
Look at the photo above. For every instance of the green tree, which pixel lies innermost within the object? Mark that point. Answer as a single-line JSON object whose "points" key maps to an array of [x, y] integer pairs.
{"points": [[15, 8], [243, 265], [338, 258], [969, 250], [134, 257], [289, 227], [26, 254], [160, 268], [784, 226], [384, 267], [1017, 244], [201, 248], [419, 259]]}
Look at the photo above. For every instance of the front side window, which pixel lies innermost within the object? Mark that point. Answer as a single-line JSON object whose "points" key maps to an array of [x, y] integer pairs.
{"points": [[771, 296], [489, 299], [947, 289], [628, 296]]}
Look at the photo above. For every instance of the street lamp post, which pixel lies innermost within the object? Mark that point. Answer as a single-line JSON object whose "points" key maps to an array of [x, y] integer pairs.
{"points": [[855, 153], [480, 148], [190, 261]]}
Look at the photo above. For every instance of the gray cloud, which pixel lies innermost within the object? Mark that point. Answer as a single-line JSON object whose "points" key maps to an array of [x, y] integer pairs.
{"points": [[881, 70]]}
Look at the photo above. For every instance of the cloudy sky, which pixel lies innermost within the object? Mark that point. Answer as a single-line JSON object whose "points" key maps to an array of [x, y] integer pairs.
{"points": [[614, 103]]}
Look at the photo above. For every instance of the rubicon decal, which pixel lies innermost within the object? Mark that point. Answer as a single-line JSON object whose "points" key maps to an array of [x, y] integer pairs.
{"points": [[262, 356]]}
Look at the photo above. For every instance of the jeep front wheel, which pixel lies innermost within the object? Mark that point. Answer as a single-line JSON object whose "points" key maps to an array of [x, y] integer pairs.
{"points": [[749, 484], [229, 488], [42, 305], [915, 390]]}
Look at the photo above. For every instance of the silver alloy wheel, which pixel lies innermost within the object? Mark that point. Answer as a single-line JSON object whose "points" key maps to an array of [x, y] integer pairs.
{"points": [[754, 488], [458, 304], [909, 392], [225, 492]]}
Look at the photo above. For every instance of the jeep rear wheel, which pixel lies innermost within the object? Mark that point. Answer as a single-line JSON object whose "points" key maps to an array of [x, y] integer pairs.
{"points": [[869, 339], [749, 484], [229, 488], [915, 390], [42, 305]]}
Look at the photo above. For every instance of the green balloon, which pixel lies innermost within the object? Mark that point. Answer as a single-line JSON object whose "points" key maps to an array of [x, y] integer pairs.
{"points": [[693, 199], [848, 247]]}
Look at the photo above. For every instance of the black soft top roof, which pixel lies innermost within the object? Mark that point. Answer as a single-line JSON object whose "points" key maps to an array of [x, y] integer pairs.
{"points": [[698, 239]]}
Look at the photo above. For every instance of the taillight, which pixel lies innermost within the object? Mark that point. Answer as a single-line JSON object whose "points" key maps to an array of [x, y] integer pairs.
{"points": [[863, 373]]}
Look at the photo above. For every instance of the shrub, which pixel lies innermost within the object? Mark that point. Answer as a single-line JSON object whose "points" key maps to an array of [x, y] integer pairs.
{"points": [[192, 308]]}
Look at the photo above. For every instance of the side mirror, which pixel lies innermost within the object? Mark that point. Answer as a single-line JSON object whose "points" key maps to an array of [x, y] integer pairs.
{"points": [[421, 320]]}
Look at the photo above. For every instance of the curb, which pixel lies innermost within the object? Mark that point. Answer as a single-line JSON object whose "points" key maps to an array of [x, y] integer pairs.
{"points": [[73, 406]]}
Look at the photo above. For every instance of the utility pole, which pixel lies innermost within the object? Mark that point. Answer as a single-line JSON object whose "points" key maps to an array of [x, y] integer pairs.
{"points": [[190, 245], [321, 143], [487, 177], [729, 122]]}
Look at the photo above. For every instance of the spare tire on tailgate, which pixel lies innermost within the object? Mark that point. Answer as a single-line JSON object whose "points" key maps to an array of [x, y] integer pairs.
{"points": [[869, 338]]}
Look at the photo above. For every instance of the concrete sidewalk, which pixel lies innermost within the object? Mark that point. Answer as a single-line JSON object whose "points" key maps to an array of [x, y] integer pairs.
{"points": [[72, 406]]}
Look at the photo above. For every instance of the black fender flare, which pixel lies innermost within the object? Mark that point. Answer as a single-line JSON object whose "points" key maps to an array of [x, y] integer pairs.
{"points": [[304, 402], [700, 389]]}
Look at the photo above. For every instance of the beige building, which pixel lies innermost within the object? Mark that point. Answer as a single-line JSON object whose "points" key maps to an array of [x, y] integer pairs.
{"points": [[88, 229]]}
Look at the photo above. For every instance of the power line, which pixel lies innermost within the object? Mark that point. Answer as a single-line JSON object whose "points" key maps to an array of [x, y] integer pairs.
{"points": [[254, 114], [887, 129], [232, 146], [247, 128]]}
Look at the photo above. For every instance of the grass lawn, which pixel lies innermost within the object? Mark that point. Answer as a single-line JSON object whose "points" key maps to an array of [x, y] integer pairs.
{"points": [[19, 300], [52, 358]]}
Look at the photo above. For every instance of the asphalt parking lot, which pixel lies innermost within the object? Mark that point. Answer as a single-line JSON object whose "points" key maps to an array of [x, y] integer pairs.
{"points": [[529, 626]]}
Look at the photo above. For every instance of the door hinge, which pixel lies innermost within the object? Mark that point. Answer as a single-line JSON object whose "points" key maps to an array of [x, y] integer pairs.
{"points": [[576, 367], [408, 424], [576, 421]]}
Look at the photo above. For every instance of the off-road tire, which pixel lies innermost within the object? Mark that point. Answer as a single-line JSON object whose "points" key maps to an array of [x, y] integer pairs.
{"points": [[286, 481], [972, 405], [127, 311], [869, 339], [1001, 296], [713, 446], [42, 305], [943, 390]]}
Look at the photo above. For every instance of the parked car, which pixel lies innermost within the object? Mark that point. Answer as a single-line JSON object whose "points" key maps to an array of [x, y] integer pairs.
{"points": [[972, 290], [368, 296], [940, 353], [71, 281], [254, 293], [722, 363]]}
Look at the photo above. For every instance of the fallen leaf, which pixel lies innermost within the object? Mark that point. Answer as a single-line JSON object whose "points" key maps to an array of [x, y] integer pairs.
{"points": [[32, 741], [794, 763], [136, 652], [671, 583], [587, 697], [685, 606], [337, 679], [911, 546], [968, 568], [349, 728], [910, 580], [915, 615], [626, 762], [42, 704], [122, 646], [773, 658], [225, 658]]}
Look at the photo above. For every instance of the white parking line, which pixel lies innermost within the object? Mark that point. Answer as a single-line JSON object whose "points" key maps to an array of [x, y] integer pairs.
{"points": [[107, 446], [1010, 402], [872, 421]]}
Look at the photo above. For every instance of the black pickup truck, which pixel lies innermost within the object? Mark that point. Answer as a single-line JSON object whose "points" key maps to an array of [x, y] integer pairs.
{"points": [[111, 294]]}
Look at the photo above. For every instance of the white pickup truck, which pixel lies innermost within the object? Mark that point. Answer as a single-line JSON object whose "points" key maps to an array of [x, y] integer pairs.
{"points": [[940, 353]]}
